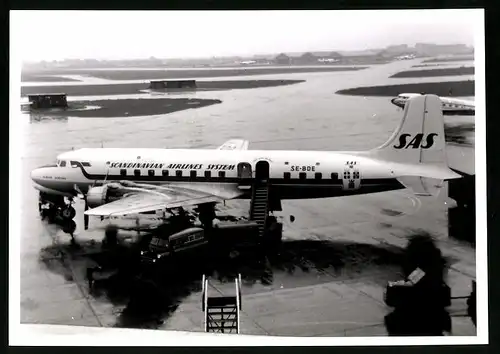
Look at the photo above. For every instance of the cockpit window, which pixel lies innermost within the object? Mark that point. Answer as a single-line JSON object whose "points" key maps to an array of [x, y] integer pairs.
{"points": [[62, 164], [73, 163], [86, 164]]}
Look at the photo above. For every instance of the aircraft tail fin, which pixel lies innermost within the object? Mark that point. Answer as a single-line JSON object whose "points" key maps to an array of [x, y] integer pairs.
{"points": [[419, 138], [417, 147]]}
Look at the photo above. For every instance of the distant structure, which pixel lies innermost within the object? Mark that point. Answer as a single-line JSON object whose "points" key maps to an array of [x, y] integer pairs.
{"points": [[283, 59], [172, 84], [431, 49], [48, 100], [307, 58]]}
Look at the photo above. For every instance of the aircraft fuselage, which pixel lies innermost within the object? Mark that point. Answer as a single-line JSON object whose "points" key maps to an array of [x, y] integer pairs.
{"points": [[291, 174]]}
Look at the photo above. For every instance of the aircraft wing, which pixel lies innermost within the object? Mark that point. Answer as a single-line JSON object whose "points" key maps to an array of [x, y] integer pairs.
{"points": [[143, 198], [234, 144]]}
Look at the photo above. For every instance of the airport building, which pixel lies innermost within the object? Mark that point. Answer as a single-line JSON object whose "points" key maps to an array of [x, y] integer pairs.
{"points": [[48, 100], [172, 84]]}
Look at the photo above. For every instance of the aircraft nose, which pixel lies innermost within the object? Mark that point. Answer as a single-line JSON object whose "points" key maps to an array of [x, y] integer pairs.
{"points": [[397, 102], [36, 175]]}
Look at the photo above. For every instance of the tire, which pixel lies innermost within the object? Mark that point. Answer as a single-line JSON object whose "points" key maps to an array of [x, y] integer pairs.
{"points": [[68, 213]]}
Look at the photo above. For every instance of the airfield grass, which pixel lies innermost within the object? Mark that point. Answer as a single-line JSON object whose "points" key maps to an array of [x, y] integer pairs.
{"points": [[451, 88], [156, 74], [435, 72], [25, 77], [126, 108], [428, 65], [138, 88], [444, 60]]}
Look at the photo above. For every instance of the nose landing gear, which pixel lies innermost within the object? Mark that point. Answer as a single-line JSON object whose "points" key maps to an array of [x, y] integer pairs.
{"points": [[55, 208]]}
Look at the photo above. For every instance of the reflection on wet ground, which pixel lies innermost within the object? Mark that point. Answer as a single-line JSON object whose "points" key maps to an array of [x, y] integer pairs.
{"points": [[156, 293]]}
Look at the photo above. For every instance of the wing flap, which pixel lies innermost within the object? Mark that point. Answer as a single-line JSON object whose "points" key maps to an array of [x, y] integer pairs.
{"points": [[168, 197]]}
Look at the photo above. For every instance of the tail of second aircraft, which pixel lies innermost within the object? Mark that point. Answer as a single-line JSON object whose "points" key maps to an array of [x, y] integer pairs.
{"points": [[417, 146]]}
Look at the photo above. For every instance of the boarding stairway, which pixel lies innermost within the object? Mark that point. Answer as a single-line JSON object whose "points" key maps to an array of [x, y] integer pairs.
{"points": [[222, 313], [259, 207]]}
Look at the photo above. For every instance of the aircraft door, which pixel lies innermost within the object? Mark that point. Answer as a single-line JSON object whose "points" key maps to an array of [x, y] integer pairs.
{"points": [[351, 179], [262, 170], [244, 170]]}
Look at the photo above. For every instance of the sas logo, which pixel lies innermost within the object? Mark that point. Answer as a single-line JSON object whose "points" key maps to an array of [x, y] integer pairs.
{"points": [[416, 142]]}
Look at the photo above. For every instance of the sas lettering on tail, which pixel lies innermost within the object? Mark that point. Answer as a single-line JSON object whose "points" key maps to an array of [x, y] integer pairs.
{"points": [[416, 142]]}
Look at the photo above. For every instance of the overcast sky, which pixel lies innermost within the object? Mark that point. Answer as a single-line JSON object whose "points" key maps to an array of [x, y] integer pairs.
{"points": [[49, 35]]}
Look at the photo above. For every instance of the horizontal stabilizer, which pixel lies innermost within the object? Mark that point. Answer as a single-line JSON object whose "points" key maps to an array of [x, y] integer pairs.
{"points": [[422, 185]]}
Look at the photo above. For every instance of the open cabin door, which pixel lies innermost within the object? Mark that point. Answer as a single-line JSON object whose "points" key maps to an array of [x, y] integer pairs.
{"points": [[244, 170], [351, 179]]}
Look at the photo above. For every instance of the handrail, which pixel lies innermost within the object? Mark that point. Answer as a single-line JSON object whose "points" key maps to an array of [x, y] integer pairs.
{"points": [[237, 306], [203, 293], [239, 291], [235, 310]]}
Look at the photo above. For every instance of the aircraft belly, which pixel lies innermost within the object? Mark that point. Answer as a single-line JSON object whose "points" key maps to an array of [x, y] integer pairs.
{"points": [[329, 191]]}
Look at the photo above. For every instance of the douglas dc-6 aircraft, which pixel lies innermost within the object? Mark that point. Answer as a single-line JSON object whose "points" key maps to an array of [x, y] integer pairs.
{"points": [[117, 181], [450, 106]]}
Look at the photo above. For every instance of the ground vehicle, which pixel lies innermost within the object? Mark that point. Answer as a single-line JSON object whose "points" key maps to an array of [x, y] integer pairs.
{"points": [[161, 247]]}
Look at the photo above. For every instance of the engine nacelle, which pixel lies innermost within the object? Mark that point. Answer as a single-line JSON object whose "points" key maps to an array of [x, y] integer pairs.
{"points": [[97, 196]]}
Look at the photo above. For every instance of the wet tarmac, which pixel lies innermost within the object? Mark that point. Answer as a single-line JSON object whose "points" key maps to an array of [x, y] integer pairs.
{"points": [[328, 276]]}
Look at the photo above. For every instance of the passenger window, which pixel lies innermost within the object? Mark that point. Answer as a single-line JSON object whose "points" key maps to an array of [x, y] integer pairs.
{"points": [[317, 175], [192, 174], [151, 173], [164, 173], [178, 173], [208, 174], [287, 175], [123, 172], [222, 174], [137, 173], [302, 175]]}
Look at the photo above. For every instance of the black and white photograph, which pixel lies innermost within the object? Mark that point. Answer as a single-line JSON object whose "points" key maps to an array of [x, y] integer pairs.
{"points": [[247, 178]]}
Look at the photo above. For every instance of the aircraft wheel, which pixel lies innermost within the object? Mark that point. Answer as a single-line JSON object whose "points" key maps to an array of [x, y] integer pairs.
{"points": [[69, 213]]}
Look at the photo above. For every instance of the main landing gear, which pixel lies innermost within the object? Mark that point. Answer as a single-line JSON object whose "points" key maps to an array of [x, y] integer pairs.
{"points": [[57, 210]]}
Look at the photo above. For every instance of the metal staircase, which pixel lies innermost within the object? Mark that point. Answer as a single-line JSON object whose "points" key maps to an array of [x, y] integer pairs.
{"points": [[222, 313], [259, 208]]}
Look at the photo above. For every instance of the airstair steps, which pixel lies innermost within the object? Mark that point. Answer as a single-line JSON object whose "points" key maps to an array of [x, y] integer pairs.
{"points": [[260, 206], [222, 313]]}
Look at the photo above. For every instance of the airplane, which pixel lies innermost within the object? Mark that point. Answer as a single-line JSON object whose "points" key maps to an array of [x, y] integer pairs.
{"points": [[451, 106], [125, 181], [406, 57]]}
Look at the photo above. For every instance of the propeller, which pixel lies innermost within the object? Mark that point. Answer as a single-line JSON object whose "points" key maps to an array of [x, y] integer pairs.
{"points": [[86, 207], [85, 216]]}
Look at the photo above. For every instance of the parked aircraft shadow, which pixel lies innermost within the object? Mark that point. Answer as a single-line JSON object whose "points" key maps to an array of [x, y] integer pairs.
{"points": [[462, 218], [151, 296]]}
